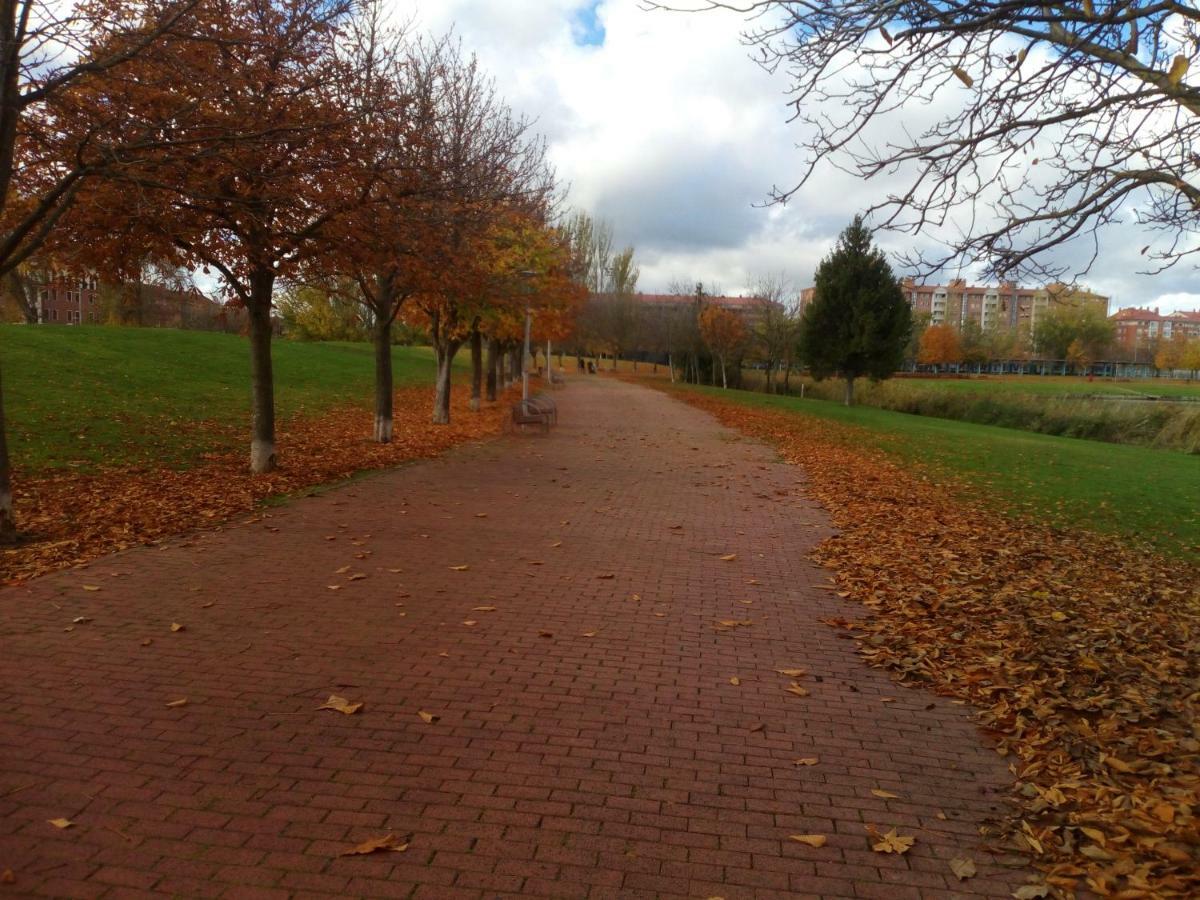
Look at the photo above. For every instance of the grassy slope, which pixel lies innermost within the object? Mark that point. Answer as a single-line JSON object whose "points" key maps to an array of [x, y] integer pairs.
{"points": [[1152, 494], [85, 395]]}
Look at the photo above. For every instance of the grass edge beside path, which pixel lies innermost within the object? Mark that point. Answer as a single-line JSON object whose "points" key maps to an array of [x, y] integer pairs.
{"points": [[1149, 497], [1080, 653]]}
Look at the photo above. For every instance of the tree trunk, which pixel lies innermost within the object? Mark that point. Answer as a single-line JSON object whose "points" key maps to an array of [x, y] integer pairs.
{"points": [[671, 367], [787, 377], [476, 368], [493, 362], [441, 401], [850, 390], [724, 380], [262, 438], [8, 524], [383, 379], [615, 355]]}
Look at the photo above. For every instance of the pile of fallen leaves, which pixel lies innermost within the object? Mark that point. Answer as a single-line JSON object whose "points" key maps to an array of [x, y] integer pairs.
{"points": [[69, 518], [1081, 653]]}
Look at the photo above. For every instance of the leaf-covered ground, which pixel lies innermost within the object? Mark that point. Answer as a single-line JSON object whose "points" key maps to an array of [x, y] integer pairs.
{"points": [[1080, 652], [71, 517]]}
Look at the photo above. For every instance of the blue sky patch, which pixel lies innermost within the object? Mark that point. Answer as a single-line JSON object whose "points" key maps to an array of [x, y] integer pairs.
{"points": [[586, 26]]}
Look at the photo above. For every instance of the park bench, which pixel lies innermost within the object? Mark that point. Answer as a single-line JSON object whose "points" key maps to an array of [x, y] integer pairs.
{"points": [[526, 412], [547, 406]]}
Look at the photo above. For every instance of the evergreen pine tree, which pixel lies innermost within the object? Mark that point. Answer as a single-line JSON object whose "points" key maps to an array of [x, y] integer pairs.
{"points": [[858, 322]]}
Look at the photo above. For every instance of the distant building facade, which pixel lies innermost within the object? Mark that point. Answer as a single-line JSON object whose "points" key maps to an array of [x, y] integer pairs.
{"points": [[70, 300], [1143, 327]]}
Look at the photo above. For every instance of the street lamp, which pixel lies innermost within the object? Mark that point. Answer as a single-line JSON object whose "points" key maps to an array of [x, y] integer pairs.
{"points": [[527, 360]]}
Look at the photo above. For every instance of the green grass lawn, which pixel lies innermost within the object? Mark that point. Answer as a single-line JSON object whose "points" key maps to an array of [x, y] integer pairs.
{"points": [[81, 396], [1150, 494]]}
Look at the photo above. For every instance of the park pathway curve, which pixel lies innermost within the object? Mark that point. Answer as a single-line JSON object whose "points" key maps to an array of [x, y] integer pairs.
{"points": [[555, 602]]}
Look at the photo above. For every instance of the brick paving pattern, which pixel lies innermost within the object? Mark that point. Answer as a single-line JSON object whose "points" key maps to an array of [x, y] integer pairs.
{"points": [[590, 741]]}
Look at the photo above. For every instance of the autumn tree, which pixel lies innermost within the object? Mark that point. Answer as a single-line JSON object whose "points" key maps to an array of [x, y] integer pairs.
{"points": [[48, 54], [1059, 118], [940, 346], [775, 329], [282, 167], [724, 332], [1063, 325], [858, 322], [1172, 353]]}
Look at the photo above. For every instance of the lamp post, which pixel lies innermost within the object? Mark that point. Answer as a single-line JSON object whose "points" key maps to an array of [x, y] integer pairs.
{"points": [[527, 360]]}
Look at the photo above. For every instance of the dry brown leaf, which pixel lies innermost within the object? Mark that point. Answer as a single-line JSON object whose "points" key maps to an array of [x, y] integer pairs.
{"points": [[91, 587], [963, 868], [388, 842], [7, 877], [729, 557], [175, 626], [173, 704], [807, 761], [546, 634], [481, 515], [428, 718], [1032, 892], [483, 609], [892, 842], [342, 571], [470, 622], [146, 642], [735, 681], [357, 576], [81, 620], [606, 576], [793, 673], [459, 568], [798, 690], [588, 634], [813, 840], [885, 795], [61, 823], [340, 704]]}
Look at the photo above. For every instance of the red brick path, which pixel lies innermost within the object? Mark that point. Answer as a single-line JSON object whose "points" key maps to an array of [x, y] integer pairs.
{"points": [[623, 764]]}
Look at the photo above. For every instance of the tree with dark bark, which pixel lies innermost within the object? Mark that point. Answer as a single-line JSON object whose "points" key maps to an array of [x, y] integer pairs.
{"points": [[48, 52], [858, 323], [1061, 118]]}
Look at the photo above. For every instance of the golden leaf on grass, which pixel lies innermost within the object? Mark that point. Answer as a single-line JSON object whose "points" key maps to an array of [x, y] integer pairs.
{"points": [[885, 795], [892, 842], [793, 673], [61, 823], [340, 704], [175, 626], [735, 681], [813, 840], [729, 557], [427, 717], [387, 842], [807, 761], [91, 587], [963, 868], [459, 568], [483, 609], [182, 701], [797, 689]]}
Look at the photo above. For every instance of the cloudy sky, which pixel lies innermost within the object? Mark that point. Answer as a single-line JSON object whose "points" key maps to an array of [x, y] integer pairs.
{"points": [[661, 124]]}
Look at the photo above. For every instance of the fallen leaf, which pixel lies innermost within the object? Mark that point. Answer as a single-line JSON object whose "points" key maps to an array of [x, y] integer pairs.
{"points": [[1032, 892], [61, 823], [342, 571], [892, 842], [735, 681], [483, 609], [546, 634], [334, 587], [7, 877], [182, 701], [797, 689], [793, 673], [175, 626], [387, 842], [459, 568], [813, 840], [963, 868], [340, 704], [885, 795], [357, 576], [81, 620], [428, 718], [807, 761], [91, 587], [481, 515], [470, 622], [146, 642], [729, 557], [588, 634], [608, 575], [758, 727]]}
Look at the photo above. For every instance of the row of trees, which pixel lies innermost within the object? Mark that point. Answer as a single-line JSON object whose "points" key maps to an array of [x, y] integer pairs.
{"points": [[282, 142]]}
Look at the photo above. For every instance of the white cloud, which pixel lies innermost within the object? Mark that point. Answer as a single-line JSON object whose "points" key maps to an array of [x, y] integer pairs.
{"points": [[669, 130]]}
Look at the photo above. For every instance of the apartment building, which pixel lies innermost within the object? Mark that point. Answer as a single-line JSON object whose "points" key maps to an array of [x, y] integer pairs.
{"points": [[1138, 327]]}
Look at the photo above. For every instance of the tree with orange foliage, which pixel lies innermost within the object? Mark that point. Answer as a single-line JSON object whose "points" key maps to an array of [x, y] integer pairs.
{"points": [[48, 53], [940, 346], [268, 94], [724, 332]]}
